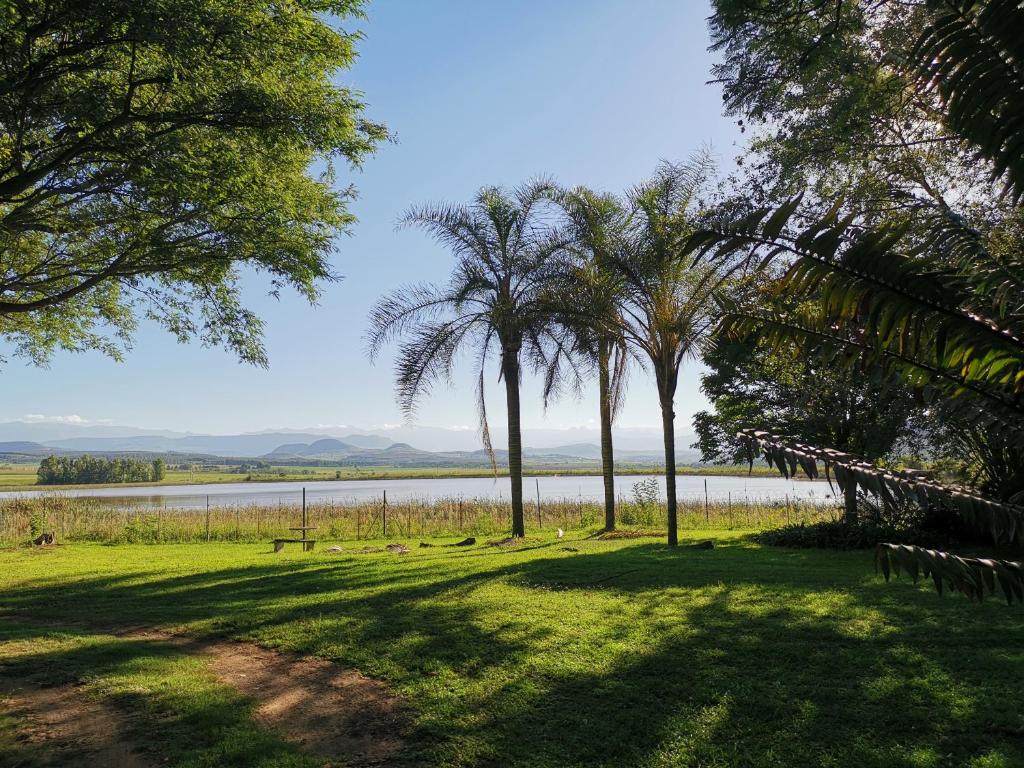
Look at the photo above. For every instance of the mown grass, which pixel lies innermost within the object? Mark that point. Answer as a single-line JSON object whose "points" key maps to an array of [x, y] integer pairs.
{"points": [[619, 653]]}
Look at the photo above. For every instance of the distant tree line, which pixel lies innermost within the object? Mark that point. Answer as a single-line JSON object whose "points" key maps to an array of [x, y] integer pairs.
{"points": [[65, 470]]}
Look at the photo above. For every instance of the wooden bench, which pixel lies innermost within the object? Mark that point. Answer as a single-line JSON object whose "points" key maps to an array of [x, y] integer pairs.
{"points": [[307, 544]]}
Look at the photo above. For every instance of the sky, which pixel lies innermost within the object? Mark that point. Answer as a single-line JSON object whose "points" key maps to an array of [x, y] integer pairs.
{"points": [[591, 92]]}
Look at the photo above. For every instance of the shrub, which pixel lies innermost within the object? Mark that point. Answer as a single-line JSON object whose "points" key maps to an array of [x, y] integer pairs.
{"points": [[895, 523], [37, 523]]}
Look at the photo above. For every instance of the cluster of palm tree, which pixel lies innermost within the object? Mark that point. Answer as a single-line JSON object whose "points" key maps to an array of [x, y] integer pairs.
{"points": [[567, 283]]}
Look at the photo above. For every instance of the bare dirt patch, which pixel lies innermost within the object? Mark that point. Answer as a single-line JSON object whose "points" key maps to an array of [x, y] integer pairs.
{"points": [[64, 726], [323, 708], [327, 710]]}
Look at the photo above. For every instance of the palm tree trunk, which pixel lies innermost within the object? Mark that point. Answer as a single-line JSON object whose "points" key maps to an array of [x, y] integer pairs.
{"points": [[668, 427], [510, 372], [607, 456]]}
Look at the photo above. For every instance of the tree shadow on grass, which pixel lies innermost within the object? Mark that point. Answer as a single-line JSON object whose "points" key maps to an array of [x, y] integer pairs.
{"points": [[168, 709], [625, 655]]}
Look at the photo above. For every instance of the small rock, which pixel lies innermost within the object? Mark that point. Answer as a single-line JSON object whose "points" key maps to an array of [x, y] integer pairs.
{"points": [[334, 549], [398, 549]]}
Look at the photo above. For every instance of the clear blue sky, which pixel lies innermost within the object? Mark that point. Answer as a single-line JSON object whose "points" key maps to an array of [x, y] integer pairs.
{"points": [[587, 91]]}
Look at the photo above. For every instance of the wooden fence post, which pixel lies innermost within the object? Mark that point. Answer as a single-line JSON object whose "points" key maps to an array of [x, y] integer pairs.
{"points": [[707, 511], [540, 518], [384, 513]]}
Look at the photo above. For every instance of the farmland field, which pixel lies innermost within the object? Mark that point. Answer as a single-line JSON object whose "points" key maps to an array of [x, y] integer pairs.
{"points": [[575, 651]]}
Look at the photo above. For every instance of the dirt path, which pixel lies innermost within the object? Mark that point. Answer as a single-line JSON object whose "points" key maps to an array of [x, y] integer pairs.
{"points": [[63, 726], [325, 709]]}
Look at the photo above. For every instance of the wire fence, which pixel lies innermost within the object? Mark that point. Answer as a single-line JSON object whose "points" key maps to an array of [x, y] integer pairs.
{"points": [[90, 519]]}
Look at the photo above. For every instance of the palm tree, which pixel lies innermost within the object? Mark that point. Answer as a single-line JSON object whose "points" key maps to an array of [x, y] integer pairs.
{"points": [[495, 301], [589, 308], [668, 307]]}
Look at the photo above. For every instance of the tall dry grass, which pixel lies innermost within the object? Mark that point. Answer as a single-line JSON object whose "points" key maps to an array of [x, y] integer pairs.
{"points": [[82, 519]]}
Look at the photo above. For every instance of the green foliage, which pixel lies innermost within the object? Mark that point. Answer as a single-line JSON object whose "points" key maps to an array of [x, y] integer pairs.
{"points": [[646, 492], [831, 534], [970, 54], [68, 470], [154, 152], [37, 523], [975, 577], [833, 110], [750, 380], [933, 296], [1004, 522], [906, 523]]}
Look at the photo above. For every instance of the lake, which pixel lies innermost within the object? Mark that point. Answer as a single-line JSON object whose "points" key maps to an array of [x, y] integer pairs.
{"points": [[551, 487]]}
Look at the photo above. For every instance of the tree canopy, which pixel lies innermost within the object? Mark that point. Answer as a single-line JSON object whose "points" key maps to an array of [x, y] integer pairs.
{"points": [[153, 154], [933, 296], [750, 381]]}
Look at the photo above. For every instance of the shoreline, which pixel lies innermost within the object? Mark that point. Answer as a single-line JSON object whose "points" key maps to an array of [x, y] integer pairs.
{"points": [[327, 474]]}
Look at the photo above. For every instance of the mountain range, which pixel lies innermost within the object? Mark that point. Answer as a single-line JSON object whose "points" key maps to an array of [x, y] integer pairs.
{"points": [[361, 447]]}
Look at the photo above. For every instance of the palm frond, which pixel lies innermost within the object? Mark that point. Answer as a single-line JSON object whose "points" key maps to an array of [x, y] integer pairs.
{"points": [[973, 576], [971, 55], [1003, 521]]}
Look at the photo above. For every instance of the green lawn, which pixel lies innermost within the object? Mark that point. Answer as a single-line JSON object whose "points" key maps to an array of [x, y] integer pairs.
{"points": [[621, 654]]}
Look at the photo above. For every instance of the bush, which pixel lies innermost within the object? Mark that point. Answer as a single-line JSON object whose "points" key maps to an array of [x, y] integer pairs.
{"points": [[897, 524], [37, 523], [645, 509]]}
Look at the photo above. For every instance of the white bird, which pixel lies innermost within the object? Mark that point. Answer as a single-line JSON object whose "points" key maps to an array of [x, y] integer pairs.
{"points": [[561, 533]]}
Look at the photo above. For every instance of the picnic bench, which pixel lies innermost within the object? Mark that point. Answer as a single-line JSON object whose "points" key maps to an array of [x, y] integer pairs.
{"points": [[306, 542]]}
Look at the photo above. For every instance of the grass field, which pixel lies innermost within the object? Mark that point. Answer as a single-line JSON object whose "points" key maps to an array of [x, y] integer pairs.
{"points": [[621, 653], [14, 477]]}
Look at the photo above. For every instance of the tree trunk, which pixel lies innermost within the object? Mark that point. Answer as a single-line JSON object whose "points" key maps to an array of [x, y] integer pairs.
{"points": [[668, 427], [607, 456], [850, 502], [510, 372]]}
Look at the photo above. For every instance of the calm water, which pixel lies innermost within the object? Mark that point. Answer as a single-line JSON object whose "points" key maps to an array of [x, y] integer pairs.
{"points": [[739, 489]]}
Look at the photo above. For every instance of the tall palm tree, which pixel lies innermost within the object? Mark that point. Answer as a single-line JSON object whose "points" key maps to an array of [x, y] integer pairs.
{"points": [[669, 308], [590, 308], [495, 301]]}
